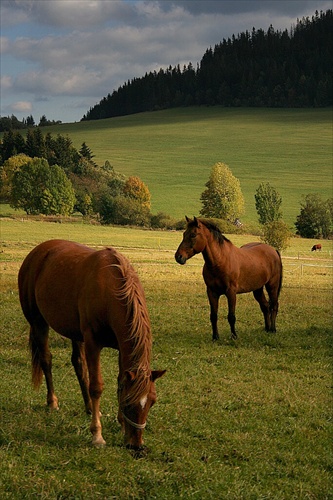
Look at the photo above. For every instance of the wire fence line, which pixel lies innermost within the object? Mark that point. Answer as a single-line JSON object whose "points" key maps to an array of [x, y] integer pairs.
{"points": [[302, 266]]}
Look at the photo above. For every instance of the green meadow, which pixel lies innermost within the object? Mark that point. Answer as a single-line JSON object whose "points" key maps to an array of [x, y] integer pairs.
{"points": [[250, 419], [174, 150]]}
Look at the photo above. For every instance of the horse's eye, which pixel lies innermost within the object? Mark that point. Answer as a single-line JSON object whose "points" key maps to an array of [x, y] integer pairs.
{"points": [[192, 235]]}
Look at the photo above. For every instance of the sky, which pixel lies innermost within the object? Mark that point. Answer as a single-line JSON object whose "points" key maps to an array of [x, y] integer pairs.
{"points": [[61, 57]]}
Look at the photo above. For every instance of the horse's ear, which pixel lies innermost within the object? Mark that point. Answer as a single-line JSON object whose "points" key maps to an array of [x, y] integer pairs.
{"points": [[187, 219], [196, 221], [155, 374]]}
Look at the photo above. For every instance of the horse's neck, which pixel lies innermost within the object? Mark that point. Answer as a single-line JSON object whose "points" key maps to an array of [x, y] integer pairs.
{"points": [[215, 253], [131, 360]]}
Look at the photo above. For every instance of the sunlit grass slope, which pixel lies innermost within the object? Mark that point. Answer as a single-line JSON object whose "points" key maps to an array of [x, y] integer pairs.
{"points": [[174, 150]]}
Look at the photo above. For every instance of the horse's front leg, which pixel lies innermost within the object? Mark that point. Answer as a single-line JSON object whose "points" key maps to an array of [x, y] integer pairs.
{"points": [[214, 305], [81, 370], [93, 353], [231, 296], [120, 415]]}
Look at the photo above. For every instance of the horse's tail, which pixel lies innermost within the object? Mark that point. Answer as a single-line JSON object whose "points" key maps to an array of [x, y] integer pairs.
{"points": [[36, 362], [281, 272]]}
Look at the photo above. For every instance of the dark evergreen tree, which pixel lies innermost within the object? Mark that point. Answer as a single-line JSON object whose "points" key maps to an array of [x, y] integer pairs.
{"points": [[86, 152], [35, 143], [30, 121]]}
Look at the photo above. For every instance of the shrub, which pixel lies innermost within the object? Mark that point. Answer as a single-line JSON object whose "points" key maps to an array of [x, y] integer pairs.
{"points": [[162, 221], [315, 218], [276, 234], [123, 210]]}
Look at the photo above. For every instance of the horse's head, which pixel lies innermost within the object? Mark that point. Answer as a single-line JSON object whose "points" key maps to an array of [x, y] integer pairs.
{"points": [[133, 413], [194, 241]]}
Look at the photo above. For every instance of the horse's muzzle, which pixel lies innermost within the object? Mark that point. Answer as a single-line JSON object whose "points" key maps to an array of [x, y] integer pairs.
{"points": [[180, 258]]}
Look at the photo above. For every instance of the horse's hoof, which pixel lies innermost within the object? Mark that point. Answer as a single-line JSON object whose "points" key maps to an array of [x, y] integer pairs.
{"points": [[98, 443], [53, 407]]}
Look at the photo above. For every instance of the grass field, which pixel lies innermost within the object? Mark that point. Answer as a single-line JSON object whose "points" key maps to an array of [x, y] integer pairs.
{"points": [[173, 152], [250, 419]]}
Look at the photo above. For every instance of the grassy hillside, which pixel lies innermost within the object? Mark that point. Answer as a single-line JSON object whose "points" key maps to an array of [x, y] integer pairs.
{"points": [[174, 150]]}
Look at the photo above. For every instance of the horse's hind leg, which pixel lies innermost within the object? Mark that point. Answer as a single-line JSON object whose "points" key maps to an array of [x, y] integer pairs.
{"points": [[264, 306], [41, 358], [81, 370], [273, 294]]}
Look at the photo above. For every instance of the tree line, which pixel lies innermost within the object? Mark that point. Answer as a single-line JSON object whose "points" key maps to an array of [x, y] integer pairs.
{"points": [[47, 175], [262, 69], [13, 123]]}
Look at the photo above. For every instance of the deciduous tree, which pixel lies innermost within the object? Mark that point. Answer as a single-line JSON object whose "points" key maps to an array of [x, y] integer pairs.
{"points": [[7, 171], [268, 203], [315, 218], [223, 197], [136, 189], [41, 189]]}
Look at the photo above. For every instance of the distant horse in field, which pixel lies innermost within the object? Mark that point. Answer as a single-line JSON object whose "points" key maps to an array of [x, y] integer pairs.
{"points": [[95, 299], [316, 247], [229, 270]]}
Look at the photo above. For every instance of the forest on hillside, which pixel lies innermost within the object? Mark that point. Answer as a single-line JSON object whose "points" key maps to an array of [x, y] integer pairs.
{"points": [[259, 68]]}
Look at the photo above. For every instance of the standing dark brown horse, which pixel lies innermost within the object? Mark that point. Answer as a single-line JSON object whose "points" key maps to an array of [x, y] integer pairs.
{"points": [[95, 299], [229, 270]]}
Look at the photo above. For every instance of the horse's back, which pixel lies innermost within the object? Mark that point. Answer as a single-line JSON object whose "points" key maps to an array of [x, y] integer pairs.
{"points": [[261, 250], [257, 245], [47, 255], [260, 254], [66, 284], [260, 264]]}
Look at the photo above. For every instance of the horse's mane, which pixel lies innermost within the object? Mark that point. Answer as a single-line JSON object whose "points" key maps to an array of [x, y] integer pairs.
{"points": [[139, 328], [214, 229]]}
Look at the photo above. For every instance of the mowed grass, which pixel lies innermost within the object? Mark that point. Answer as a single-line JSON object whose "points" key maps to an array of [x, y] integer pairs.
{"points": [[250, 419], [173, 152]]}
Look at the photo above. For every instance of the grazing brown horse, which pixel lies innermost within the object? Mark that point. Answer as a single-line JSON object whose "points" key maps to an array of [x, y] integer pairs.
{"points": [[316, 247], [95, 299], [229, 270]]}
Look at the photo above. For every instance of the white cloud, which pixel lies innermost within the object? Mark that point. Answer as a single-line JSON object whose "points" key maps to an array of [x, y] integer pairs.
{"points": [[73, 14], [3, 44], [22, 106], [77, 81], [5, 82], [234, 7]]}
